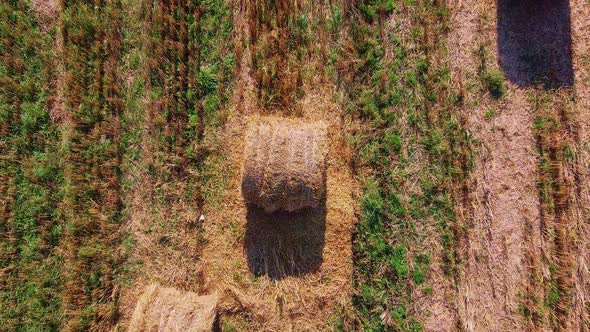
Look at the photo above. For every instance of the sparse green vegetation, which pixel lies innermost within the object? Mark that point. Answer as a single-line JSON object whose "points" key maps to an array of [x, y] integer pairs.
{"points": [[554, 135], [279, 40], [412, 135], [63, 214], [92, 203], [490, 114], [30, 178]]}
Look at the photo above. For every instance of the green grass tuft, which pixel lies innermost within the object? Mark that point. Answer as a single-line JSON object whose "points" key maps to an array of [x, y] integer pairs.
{"points": [[495, 82]]}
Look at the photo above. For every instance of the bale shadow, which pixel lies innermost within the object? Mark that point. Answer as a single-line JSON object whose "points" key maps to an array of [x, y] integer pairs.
{"points": [[535, 44], [285, 244]]}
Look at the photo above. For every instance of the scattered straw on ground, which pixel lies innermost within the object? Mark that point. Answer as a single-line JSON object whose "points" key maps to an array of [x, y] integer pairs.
{"points": [[285, 277], [288, 271]]}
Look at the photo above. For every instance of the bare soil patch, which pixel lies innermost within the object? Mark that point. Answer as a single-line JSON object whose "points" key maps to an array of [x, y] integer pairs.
{"points": [[502, 212], [505, 205]]}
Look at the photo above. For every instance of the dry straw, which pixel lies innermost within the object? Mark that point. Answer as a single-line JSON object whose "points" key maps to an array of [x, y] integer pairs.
{"points": [[169, 309], [285, 164]]}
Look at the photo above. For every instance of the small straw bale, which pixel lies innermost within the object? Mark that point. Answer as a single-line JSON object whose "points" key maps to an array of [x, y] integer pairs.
{"points": [[284, 164], [168, 309]]}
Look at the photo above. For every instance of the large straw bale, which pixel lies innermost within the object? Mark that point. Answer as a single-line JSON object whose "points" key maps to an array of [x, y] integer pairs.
{"points": [[285, 164], [168, 309]]}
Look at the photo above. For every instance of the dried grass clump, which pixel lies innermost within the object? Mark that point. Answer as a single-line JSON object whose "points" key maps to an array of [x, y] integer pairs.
{"points": [[285, 164], [168, 309]]}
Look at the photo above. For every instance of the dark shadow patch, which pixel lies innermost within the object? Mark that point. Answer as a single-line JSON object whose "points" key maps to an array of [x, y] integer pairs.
{"points": [[535, 44], [216, 324], [285, 244]]}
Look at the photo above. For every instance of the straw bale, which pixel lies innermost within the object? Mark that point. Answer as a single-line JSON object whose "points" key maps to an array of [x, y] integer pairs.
{"points": [[285, 164], [168, 309]]}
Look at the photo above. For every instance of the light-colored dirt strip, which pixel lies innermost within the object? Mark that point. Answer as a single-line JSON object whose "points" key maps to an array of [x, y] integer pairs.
{"points": [[503, 222], [580, 13], [505, 199], [437, 310]]}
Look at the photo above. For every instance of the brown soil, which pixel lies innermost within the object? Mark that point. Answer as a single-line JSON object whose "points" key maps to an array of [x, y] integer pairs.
{"points": [[505, 206], [506, 249], [502, 219]]}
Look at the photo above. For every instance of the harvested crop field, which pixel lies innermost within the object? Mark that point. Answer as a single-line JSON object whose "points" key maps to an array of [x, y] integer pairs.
{"points": [[249, 165]]}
